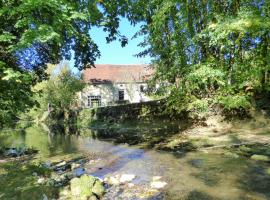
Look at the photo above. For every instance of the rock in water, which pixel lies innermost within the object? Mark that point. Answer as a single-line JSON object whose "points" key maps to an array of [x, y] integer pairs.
{"points": [[12, 152], [78, 171], [158, 184], [75, 165], [113, 180], [127, 178], [98, 188], [156, 178], [86, 187]]}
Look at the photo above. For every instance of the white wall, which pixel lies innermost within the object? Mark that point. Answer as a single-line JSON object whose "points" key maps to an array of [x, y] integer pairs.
{"points": [[109, 93]]}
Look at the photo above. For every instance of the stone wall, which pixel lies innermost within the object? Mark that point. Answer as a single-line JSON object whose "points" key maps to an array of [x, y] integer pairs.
{"points": [[134, 111]]}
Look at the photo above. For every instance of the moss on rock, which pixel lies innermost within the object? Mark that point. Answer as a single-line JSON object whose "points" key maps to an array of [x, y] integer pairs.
{"points": [[260, 158], [86, 187]]}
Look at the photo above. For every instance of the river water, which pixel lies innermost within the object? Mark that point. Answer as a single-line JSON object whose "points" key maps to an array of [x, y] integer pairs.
{"points": [[202, 175]]}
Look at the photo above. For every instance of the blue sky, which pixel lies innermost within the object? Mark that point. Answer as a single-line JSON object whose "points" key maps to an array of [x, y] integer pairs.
{"points": [[113, 53]]}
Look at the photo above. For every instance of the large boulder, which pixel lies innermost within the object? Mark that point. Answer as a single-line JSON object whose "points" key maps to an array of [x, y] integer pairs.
{"points": [[86, 187]]}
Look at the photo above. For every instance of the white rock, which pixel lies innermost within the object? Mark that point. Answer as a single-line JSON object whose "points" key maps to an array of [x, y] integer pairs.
{"points": [[127, 178], [131, 184], [75, 165], [158, 184], [61, 164], [113, 180], [41, 180], [156, 178]]}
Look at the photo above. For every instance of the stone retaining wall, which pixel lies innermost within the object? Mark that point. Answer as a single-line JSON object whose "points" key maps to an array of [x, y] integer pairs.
{"points": [[134, 111]]}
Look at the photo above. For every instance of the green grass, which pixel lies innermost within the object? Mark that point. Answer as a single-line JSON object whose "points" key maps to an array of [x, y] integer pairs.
{"points": [[17, 181]]}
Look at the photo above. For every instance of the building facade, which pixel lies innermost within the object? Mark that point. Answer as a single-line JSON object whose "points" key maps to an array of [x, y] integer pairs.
{"points": [[114, 84]]}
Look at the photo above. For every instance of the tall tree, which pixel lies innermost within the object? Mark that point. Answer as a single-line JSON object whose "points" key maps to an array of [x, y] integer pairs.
{"points": [[208, 48], [36, 32]]}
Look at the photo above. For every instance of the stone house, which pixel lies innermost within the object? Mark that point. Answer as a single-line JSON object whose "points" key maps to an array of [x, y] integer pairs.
{"points": [[114, 84]]}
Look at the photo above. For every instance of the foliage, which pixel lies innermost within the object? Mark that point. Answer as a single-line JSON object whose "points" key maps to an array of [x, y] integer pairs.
{"points": [[15, 93], [231, 102], [36, 32], [59, 91], [207, 49]]}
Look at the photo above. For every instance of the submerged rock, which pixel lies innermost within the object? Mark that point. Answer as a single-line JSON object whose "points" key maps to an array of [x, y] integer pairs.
{"points": [[198, 163], [79, 171], [75, 165], [41, 180], [18, 151]]}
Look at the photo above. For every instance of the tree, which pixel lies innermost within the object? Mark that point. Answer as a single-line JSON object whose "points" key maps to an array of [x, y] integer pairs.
{"points": [[59, 91], [216, 50], [36, 32]]}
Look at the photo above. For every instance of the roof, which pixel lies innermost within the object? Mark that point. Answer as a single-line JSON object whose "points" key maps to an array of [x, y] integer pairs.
{"points": [[107, 73]]}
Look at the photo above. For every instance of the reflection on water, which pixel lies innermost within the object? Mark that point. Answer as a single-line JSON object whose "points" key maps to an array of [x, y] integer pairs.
{"points": [[48, 144], [190, 176]]}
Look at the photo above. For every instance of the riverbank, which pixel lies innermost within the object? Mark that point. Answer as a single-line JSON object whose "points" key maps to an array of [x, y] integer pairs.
{"points": [[213, 132]]}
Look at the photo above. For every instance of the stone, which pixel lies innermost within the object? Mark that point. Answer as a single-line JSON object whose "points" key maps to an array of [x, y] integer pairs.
{"points": [[198, 163], [47, 165], [158, 184], [61, 164], [75, 165], [12, 152], [113, 180], [156, 178], [127, 178], [260, 158], [41, 180], [81, 188], [79, 171], [98, 188], [34, 174], [70, 175]]}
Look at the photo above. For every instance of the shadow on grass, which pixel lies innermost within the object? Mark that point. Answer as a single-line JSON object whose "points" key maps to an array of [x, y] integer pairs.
{"points": [[18, 182]]}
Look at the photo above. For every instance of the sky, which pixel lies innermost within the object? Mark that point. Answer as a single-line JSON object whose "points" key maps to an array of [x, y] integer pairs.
{"points": [[113, 53]]}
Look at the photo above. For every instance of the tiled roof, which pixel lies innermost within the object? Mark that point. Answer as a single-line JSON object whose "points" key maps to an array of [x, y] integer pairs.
{"points": [[117, 73]]}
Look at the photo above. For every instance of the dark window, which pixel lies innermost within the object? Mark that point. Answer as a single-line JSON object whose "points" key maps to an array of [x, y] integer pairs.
{"points": [[94, 101], [121, 95], [141, 88]]}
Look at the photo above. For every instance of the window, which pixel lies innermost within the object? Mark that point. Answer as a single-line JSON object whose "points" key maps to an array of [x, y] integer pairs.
{"points": [[93, 101], [121, 95], [141, 88]]}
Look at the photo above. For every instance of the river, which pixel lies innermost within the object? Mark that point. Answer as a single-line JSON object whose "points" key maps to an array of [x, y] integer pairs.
{"points": [[198, 175]]}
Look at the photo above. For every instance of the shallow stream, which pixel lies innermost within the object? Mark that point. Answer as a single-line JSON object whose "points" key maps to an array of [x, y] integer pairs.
{"points": [[200, 175]]}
